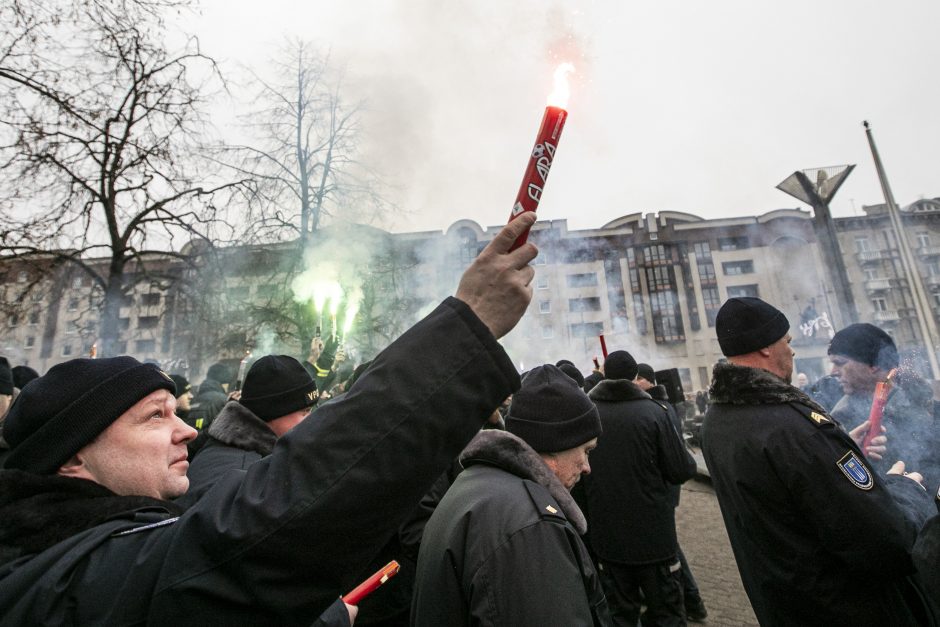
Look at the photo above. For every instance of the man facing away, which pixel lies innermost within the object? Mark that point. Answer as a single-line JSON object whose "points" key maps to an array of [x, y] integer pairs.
{"points": [[630, 504], [818, 536], [88, 535], [503, 547]]}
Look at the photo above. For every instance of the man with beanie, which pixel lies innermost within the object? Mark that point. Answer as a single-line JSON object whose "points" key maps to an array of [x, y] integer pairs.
{"points": [[503, 547], [88, 536], [819, 537], [691, 596], [861, 356], [630, 505], [210, 397], [23, 375], [277, 394], [184, 395]]}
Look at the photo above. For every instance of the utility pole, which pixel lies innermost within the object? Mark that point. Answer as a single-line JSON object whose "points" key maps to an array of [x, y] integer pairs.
{"points": [[925, 319], [818, 194]]}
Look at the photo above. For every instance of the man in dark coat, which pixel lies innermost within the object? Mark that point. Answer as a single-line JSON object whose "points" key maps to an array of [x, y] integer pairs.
{"points": [[630, 505], [210, 397], [503, 547], [691, 596], [862, 355], [277, 394], [88, 537], [819, 537]]}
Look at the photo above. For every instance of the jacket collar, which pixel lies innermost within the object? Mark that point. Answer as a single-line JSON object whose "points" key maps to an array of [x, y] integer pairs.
{"points": [[617, 390], [39, 511], [742, 385], [512, 454], [237, 426]]}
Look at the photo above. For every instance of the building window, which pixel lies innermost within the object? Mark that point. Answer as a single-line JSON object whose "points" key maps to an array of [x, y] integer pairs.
{"points": [[151, 299], [667, 320], [861, 245], [657, 255], [588, 279], [148, 322], [584, 304], [879, 304], [548, 332], [871, 274], [734, 268], [733, 243], [67, 350], [545, 306], [30, 341], [71, 327], [923, 239], [77, 282], [13, 320], [541, 283], [659, 278], [146, 346], [933, 267], [587, 329], [73, 304], [712, 304], [124, 324], [743, 291], [703, 251], [936, 299], [34, 317], [120, 348]]}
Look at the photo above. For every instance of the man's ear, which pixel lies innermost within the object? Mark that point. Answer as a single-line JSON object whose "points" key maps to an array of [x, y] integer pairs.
{"points": [[75, 468], [765, 351]]}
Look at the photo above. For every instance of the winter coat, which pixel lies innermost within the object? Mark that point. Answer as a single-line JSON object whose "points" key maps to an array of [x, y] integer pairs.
{"points": [[206, 405], [273, 545], [658, 393], [908, 419], [817, 535], [629, 493], [237, 438], [503, 546], [927, 560]]}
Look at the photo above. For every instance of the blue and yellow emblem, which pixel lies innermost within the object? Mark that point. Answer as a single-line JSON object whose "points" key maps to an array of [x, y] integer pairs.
{"points": [[856, 471]]}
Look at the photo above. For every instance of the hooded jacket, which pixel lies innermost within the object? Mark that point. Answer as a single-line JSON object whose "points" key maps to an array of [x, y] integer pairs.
{"points": [[630, 491], [818, 537], [503, 546], [276, 544]]}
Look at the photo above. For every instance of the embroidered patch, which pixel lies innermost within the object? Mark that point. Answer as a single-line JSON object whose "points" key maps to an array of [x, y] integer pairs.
{"points": [[855, 470], [551, 510], [819, 418]]}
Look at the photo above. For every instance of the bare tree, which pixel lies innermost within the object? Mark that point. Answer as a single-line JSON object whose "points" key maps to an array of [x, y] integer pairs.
{"points": [[101, 137]]}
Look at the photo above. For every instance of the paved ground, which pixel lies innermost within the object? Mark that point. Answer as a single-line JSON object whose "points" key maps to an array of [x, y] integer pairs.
{"points": [[704, 540]]}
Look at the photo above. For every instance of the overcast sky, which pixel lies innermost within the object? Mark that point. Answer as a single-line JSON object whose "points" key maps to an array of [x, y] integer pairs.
{"points": [[701, 107]]}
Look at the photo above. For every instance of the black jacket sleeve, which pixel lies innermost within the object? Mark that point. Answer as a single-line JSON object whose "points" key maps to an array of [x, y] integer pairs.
{"points": [[275, 544], [677, 465]]}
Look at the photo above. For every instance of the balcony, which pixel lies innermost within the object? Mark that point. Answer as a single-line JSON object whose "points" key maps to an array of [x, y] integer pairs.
{"points": [[932, 281], [887, 316], [872, 256], [928, 251], [878, 285]]}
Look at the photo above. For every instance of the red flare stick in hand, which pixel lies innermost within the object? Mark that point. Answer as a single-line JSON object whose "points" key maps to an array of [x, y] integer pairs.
{"points": [[882, 391], [603, 345], [371, 584]]}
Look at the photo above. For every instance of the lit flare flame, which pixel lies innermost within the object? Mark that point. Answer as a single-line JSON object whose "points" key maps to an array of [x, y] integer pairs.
{"points": [[562, 91]]}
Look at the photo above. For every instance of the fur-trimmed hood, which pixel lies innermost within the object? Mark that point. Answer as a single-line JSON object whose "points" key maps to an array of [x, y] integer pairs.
{"points": [[617, 390], [743, 385], [237, 426], [39, 511], [512, 454]]}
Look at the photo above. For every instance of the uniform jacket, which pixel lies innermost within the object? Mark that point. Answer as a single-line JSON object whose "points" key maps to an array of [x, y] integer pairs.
{"points": [[818, 537], [503, 546], [237, 439], [206, 404], [638, 460], [272, 545]]}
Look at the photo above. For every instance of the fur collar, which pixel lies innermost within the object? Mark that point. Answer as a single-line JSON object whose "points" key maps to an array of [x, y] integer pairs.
{"points": [[512, 454], [39, 511], [742, 385], [617, 390], [237, 426]]}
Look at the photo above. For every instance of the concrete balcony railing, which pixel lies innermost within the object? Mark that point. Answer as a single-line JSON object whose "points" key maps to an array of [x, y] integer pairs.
{"points": [[928, 251], [870, 256], [878, 285], [887, 316], [932, 281]]}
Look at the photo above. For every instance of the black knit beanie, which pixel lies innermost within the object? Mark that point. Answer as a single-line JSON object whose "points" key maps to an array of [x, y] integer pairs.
{"points": [[551, 413], [620, 365], [182, 384], [867, 344], [6, 377], [646, 371], [277, 385], [23, 375], [569, 369], [56, 415], [748, 324]]}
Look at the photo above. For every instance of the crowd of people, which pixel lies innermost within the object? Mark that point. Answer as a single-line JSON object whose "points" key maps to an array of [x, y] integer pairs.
{"points": [[127, 496]]}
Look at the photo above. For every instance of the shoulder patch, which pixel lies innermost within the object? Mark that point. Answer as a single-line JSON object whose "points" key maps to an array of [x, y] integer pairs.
{"points": [[544, 504], [161, 523], [856, 472], [812, 415]]}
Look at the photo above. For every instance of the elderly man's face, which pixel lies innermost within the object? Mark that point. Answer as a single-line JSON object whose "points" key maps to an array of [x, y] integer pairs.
{"points": [[142, 453], [856, 377], [570, 464]]}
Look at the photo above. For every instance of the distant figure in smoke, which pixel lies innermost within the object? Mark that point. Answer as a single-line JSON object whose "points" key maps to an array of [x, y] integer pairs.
{"points": [[861, 356], [701, 401], [802, 381]]}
